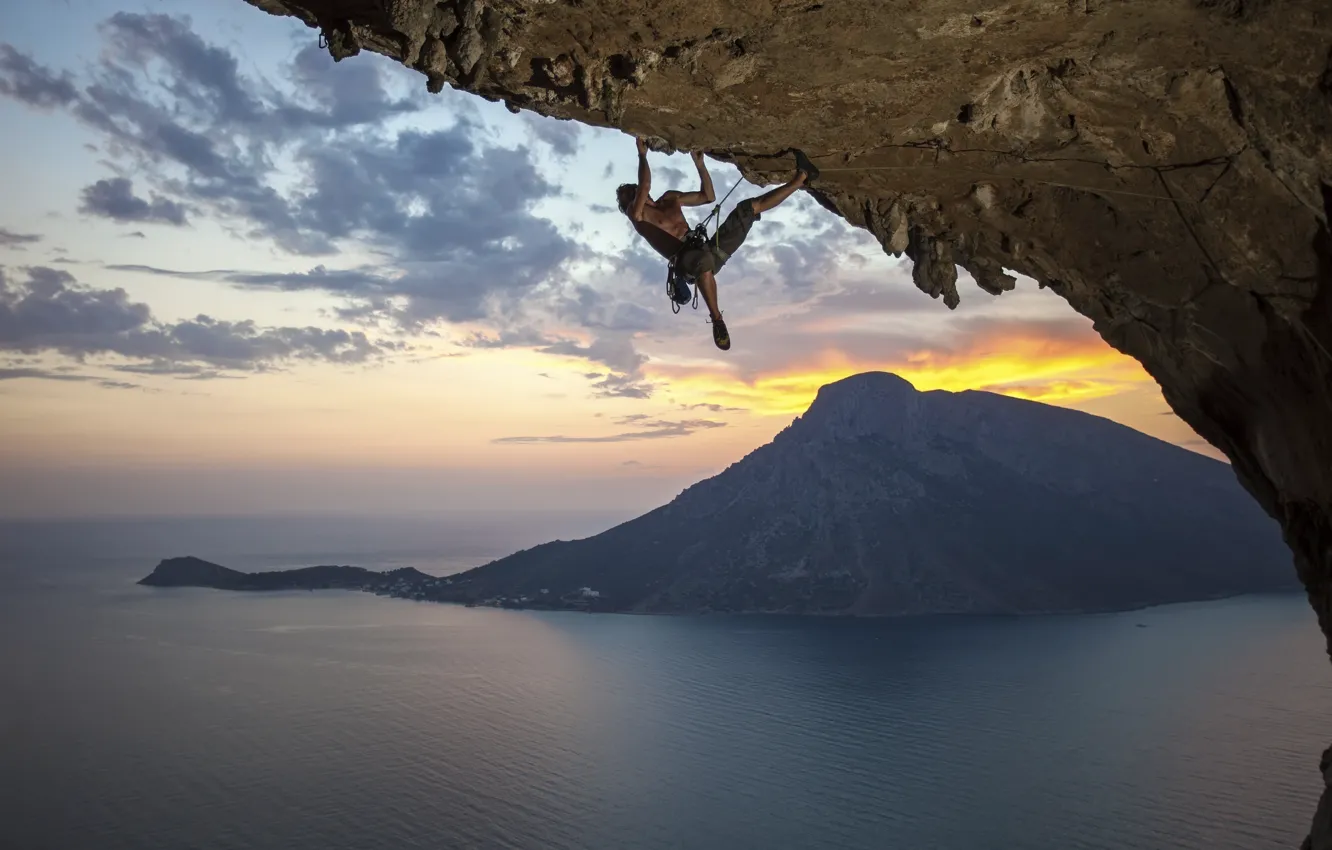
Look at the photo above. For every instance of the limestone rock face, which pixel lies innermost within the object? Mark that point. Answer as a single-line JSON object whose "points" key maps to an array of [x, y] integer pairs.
{"points": [[1164, 165]]}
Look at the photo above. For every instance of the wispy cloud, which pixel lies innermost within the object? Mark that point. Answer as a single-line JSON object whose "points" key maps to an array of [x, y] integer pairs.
{"points": [[650, 429], [115, 199], [10, 239], [14, 373], [713, 408], [51, 311], [452, 213], [26, 81]]}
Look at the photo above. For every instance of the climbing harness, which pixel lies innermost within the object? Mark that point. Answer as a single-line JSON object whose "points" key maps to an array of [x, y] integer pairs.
{"points": [[679, 282]]}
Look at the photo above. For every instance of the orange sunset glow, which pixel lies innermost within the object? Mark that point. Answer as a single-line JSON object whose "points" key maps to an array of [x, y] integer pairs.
{"points": [[1054, 371]]}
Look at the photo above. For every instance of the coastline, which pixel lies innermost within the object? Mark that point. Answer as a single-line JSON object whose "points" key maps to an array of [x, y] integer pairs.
{"points": [[442, 590]]}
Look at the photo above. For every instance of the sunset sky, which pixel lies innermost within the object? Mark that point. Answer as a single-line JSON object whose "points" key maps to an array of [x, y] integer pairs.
{"points": [[238, 278]]}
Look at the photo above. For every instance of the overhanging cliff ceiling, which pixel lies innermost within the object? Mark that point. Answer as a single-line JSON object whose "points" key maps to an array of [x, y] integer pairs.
{"points": [[1138, 156]]}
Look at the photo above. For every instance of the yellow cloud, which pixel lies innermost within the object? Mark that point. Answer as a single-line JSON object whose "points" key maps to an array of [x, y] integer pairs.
{"points": [[1029, 367]]}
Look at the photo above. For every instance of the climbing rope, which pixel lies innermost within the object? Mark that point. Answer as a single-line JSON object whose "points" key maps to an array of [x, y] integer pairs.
{"points": [[716, 211], [964, 171], [979, 172]]}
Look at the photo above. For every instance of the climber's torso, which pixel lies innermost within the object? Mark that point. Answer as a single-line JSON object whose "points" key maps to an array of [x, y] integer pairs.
{"points": [[663, 225]]}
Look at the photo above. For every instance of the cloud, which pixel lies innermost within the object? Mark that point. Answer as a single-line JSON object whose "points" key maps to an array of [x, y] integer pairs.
{"points": [[562, 136], [52, 312], [652, 429], [10, 239], [713, 408], [616, 352], [624, 386], [28, 82], [115, 199], [13, 373], [181, 371], [357, 282], [1053, 389], [345, 94], [514, 336], [452, 215], [667, 177]]}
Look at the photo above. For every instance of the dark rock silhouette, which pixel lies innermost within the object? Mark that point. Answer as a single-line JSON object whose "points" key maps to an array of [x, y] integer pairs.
{"points": [[195, 572]]}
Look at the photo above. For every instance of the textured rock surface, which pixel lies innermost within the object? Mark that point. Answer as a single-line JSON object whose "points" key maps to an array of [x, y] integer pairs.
{"points": [[1164, 165], [880, 500]]}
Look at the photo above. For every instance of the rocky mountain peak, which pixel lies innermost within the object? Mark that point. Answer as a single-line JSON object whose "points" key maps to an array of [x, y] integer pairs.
{"points": [[868, 404]]}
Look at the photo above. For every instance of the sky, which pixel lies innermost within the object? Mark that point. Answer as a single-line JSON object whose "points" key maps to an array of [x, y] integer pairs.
{"points": [[239, 278]]}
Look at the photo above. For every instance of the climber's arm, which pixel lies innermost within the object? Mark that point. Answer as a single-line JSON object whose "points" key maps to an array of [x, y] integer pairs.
{"points": [[644, 183], [704, 195]]}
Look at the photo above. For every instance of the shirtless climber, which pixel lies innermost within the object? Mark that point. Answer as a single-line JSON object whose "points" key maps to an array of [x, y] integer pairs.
{"points": [[662, 224]]}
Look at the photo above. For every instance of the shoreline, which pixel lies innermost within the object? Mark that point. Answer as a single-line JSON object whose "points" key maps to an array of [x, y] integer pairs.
{"points": [[419, 595]]}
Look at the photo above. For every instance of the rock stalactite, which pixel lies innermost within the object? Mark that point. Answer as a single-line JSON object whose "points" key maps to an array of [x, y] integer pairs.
{"points": [[1163, 165]]}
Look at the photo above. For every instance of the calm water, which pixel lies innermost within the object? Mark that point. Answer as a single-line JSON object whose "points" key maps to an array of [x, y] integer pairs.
{"points": [[138, 718]]}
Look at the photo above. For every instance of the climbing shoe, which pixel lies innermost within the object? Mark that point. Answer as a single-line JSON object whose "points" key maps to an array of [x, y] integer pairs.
{"points": [[719, 334], [803, 164]]}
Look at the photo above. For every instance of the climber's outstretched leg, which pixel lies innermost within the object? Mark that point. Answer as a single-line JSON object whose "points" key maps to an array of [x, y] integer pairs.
{"points": [[768, 200], [735, 228], [732, 234], [805, 172]]}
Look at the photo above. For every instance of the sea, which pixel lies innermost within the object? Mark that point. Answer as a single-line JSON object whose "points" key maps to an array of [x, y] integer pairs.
{"points": [[143, 718]]}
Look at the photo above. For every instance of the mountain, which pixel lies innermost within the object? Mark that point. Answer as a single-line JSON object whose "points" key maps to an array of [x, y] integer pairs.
{"points": [[195, 572], [881, 500]]}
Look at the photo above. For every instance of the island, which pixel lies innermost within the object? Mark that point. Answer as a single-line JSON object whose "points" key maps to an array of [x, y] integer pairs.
{"points": [[881, 500], [401, 583]]}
